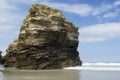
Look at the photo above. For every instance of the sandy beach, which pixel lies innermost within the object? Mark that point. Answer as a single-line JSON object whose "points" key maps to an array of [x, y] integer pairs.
{"points": [[39, 75], [69, 74]]}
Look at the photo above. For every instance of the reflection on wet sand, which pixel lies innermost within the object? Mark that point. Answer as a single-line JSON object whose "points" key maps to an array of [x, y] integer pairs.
{"points": [[2, 76], [40, 75]]}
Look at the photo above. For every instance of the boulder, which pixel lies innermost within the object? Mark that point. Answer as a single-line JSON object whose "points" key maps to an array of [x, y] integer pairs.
{"points": [[47, 40]]}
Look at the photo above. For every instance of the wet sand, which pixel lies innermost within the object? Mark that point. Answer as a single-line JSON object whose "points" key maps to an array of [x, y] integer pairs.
{"points": [[14, 74], [39, 75]]}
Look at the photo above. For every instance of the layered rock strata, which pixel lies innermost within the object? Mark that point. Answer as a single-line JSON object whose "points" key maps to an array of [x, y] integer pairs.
{"points": [[47, 40]]}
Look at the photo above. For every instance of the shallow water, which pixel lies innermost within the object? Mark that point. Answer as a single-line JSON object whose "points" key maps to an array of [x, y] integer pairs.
{"points": [[63, 74], [60, 75], [40, 75]]}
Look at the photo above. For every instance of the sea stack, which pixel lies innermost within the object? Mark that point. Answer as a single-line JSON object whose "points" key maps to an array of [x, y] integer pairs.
{"points": [[47, 40]]}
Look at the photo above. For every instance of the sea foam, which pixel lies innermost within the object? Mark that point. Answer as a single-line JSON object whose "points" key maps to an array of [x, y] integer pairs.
{"points": [[101, 64], [97, 66]]}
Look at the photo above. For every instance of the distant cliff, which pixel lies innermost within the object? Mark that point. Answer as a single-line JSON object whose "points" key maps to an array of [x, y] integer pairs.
{"points": [[47, 40], [1, 57]]}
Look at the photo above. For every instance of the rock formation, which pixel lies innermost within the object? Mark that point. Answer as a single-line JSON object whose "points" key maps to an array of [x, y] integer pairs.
{"points": [[0, 56], [47, 40]]}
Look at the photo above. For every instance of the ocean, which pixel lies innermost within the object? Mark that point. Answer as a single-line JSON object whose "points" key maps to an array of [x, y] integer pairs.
{"points": [[89, 71]]}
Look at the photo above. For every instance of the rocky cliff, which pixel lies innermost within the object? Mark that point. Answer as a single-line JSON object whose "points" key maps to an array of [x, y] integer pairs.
{"points": [[47, 40]]}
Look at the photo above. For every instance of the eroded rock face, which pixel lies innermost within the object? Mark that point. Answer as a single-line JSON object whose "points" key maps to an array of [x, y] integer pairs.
{"points": [[47, 40], [10, 58]]}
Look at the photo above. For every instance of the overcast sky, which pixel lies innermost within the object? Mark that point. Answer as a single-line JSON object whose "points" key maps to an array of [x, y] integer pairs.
{"points": [[98, 22]]}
